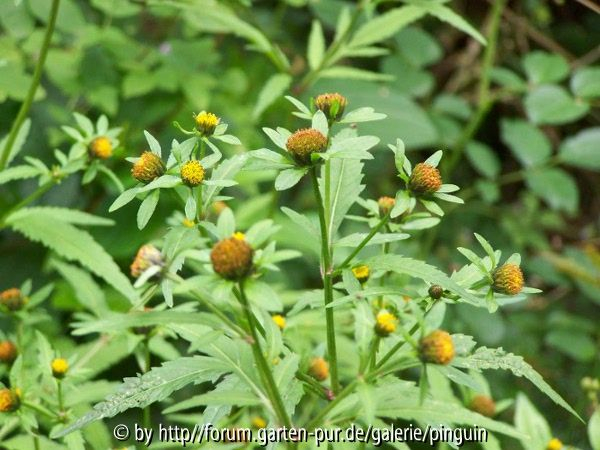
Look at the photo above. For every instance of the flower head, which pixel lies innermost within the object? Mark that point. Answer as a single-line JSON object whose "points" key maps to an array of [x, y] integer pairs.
{"points": [[385, 204], [332, 105], [206, 123], [148, 167], [437, 348], [13, 299], [147, 256], [483, 405], [425, 179], [554, 444], [188, 223], [279, 321], [232, 257], [218, 207], [60, 367], [435, 291], [259, 422], [8, 352], [101, 148], [192, 173], [361, 273], [508, 279], [303, 143], [9, 400], [385, 323], [319, 369]]}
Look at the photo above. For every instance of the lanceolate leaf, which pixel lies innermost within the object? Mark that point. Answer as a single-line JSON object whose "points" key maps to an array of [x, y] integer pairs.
{"points": [[72, 244], [498, 358]]}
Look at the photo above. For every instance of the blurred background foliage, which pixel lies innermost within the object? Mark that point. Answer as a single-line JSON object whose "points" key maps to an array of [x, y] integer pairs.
{"points": [[519, 120]]}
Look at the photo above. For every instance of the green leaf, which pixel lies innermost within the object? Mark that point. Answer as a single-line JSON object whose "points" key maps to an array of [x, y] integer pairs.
{"points": [[483, 159], [586, 82], [542, 67], [86, 290], [552, 105], [532, 424], [124, 198], [71, 216], [18, 143], [496, 358], [147, 208], [316, 45], [556, 187], [527, 142], [289, 178], [151, 387], [508, 79], [352, 73], [582, 150], [418, 46], [271, 91], [447, 15], [71, 243], [19, 173], [227, 170], [594, 430], [386, 25]]}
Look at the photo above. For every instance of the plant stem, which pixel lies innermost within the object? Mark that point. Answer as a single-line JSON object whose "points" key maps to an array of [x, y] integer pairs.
{"points": [[35, 81], [59, 394], [40, 409], [261, 363], [146, 413], [27, 200], [326, 272]]}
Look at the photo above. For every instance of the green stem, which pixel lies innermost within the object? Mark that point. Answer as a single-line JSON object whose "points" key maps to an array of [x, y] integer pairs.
{"points": [[59, 394], [40, 409], [146, 413], [27, 200], [35, 82], [395, 348], [36, 442], [326, 269], [261, 363]]}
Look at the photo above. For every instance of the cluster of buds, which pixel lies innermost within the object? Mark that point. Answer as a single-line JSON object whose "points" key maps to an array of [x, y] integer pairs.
{"points": [[101, 148], [9, 400], [60, 367], [148, 167], [192, 173], [385, 323], [206, 123], [508, 279], [361, 273], [303, 143], [483, 405], [436, 348], [279, 321], [232, 257], [424, 179], [12, 299], [8, 352], [332, 105], [318, 369], [147, 256]]}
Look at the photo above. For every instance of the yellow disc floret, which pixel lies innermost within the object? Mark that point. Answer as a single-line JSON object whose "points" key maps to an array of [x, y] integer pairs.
{"points": [[425, 179], [437, 348], [206, 123], [12, 299], [483, 405], [232, 257], [279, 321], [361, 273], [554, 444], [192, 173], [60, 367], [101, 148], [319, 369], [148, 167], [385, 323], [303, 143], [332, 105], [9, 400], [508, 279], [8, 352]]}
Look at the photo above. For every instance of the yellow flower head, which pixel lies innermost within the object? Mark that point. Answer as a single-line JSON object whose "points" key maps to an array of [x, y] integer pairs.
{"points": [[303, 143], [101, 148], [332, 105], [483, 405], [554, 444], [9, 400], [188, 223], [232, 257], [8, 352], [508, 279], [385, 323], [425, 179], [60, 367], [12, 299], [361, 273], [192, 173], [148, 255], [148, 167], [259, 422], [279, 321], [385, 204], [437, 348], [319, 369], [206, 123]]}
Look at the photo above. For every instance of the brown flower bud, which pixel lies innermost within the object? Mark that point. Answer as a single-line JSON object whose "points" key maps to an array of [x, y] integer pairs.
{"points": [[319, 369], [13, 299], [232, 257], [332, 105], [437, 348], [436, 291], [303, 143], [9, 400], [147, 256], [425, 179], [8, 352], [483, 405], [508, 279], [148, 167], [385, 204]]}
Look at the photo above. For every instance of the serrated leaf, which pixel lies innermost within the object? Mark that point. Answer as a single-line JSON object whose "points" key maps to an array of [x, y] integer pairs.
{"points": [[272, 90], [18, 173], [86, 289], [71, 216], [18, 143]]}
